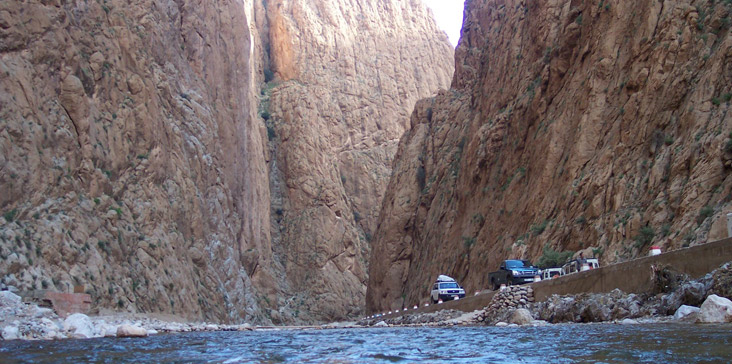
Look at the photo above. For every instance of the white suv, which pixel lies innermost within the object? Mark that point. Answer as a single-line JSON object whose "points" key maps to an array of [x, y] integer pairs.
{"points": [[446, 288]]}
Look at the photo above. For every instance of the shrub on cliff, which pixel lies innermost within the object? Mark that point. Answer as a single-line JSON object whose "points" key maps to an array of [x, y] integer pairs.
{"points": [[552, 258]]}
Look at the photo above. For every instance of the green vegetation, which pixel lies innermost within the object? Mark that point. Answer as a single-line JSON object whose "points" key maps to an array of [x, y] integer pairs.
{"points": [[478, 219], [668, 140], [537, 229], [10, 215], [704, 213], [644, 237], [665, 230], [468, 241], [552, 258]]}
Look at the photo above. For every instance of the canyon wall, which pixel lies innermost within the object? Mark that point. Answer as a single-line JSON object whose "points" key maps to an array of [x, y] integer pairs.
{"points": [[345, 76], [132, 156], [599, 126], [214, 160]]}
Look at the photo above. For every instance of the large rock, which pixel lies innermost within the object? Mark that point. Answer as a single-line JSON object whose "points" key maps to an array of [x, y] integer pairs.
{"points": [[10, 332], [9, 299], [715, 309], [521, 316], [686, 313], [79, 326], [131, 331]]}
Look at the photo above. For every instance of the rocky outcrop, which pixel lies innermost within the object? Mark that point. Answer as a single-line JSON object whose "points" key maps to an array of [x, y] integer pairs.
{"points": [[139, 165], [346, 75], [569, 125]]}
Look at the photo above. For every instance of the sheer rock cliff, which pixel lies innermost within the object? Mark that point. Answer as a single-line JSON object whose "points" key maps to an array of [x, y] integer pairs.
{"points": [[138, 164], [346, 75], [599, 126]]}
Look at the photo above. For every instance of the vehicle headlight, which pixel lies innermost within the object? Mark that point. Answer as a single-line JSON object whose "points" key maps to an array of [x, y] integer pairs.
{"points": [[515, 272]]}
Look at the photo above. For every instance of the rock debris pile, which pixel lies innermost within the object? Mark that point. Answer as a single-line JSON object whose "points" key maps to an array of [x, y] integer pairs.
{"points": [[505, 301]]}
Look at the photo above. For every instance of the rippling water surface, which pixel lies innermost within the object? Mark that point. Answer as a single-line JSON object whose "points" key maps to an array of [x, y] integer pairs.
{"points": [[595, 343]]}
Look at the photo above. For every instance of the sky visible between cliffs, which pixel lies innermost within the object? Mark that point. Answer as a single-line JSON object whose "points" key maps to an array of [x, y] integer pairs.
{"points": [[449, 16]]}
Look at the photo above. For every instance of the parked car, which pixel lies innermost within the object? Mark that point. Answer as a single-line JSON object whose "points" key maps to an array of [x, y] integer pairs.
{"points": [[551, 273], [513, 271], [446, 288]]}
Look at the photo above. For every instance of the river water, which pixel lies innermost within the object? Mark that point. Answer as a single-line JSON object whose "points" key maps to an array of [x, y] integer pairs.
{"points": [[571, 343]]}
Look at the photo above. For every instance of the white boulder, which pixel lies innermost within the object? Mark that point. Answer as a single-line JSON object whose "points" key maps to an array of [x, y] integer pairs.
{"points": [[8, 298], [131, 331], [685, 313], [106, 330], [502, 324], [715, 309], [381, 324], [521, 316], [79, 326], [10, 333]]}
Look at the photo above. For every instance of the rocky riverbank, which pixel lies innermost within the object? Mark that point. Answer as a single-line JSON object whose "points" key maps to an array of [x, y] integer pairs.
{"points": [[25, 321], [676, 297]]}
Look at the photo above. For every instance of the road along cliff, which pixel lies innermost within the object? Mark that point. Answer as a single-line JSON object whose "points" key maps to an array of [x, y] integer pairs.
{"points": [[600, 126], [215, 160]]}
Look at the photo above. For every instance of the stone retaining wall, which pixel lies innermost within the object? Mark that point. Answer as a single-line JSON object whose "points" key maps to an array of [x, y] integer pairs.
{"points": [[635, 276]]}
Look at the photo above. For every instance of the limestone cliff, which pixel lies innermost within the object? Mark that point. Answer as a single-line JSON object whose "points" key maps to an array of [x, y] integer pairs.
{"points": [[346, 75], [597, 125], [143, 160]]}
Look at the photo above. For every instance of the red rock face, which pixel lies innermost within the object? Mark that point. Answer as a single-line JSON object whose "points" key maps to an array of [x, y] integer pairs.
{"points": [[136, 160], [347, 75], [600, 127], [132, 154]]}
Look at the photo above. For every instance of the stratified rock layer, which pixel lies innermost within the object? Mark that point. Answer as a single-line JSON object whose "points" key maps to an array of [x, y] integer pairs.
{"points": [[600, 126]]}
